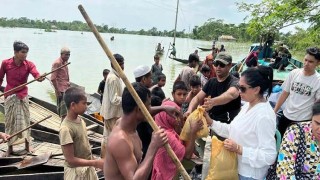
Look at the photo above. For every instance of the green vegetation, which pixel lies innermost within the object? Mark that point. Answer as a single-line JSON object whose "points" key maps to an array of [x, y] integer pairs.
{"points": [[49, 26], [213, 28], [210, 30], [270, 16]]}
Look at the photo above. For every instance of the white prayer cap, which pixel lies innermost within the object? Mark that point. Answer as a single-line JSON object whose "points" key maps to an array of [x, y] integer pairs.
{"points": [[141, 71]]}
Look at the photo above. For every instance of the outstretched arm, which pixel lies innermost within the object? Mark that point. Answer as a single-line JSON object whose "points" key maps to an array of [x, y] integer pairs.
{"points": [[231, 94], [195, 102], [68, 152]]}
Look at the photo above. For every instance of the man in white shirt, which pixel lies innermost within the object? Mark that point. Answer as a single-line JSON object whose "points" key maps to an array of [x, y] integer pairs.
{"points": [[301, 89], [111, 108]]}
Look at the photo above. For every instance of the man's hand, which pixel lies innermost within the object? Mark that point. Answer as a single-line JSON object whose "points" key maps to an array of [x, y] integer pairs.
{"points": [[186, 114], [208, 103], [159, 138], [98, 163], [173, 112], [196, 126], [41, 78], [208, 118], [4, 136]]}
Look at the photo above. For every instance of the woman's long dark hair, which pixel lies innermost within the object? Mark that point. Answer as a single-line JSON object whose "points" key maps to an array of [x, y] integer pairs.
{"points": [[261, 76]]}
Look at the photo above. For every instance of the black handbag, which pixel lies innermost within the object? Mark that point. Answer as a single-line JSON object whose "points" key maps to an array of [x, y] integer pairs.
{"points": [[272, 174]]}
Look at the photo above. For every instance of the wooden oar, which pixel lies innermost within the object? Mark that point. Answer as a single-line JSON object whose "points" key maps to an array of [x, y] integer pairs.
{"points": [[244, 60], [132, 91], [15, 134], [26, 163], [44, 75]]}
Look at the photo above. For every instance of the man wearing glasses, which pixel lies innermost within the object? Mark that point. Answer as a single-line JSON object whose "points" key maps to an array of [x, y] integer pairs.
{"points": [[220, 94], [60, 80], [301, 90]]}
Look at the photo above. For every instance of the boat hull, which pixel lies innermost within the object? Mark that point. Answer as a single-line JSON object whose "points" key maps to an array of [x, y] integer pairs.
{"points": [[204, 49]]}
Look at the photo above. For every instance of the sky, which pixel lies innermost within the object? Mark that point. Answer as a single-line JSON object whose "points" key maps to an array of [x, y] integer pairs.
{"points": [[129, 14]]}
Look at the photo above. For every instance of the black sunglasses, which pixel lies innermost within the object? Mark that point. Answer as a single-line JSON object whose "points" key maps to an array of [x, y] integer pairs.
{"points": [[243, 89], [218, 63]]}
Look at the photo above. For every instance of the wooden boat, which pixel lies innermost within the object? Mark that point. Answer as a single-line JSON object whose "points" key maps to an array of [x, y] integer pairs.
{"points": [[42, 142], [204, 49], [184, 61], [278, 76], [93, 99], [159, 52], [40, 109]]}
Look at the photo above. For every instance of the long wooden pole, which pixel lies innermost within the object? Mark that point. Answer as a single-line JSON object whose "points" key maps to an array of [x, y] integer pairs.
{"points": [[175, 25], [132, 91], [24, 84], [15, 134]]}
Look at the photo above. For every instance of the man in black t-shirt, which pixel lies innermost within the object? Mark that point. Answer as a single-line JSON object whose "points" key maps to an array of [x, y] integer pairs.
{"points": [[220, 94], [103, 83]]}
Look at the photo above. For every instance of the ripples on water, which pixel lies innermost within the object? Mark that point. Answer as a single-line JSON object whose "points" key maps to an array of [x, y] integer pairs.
{"points": [[88, 59]]}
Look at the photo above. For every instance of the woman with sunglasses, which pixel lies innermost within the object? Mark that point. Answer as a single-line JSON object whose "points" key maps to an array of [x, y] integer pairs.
{"points": [[251, 133]]}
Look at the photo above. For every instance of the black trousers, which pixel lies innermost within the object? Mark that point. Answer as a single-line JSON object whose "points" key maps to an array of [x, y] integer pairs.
{"points": [[284, 123]]}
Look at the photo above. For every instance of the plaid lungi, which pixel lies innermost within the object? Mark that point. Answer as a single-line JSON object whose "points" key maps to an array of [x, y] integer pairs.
{"points": [[17, 117], [80, 173]]}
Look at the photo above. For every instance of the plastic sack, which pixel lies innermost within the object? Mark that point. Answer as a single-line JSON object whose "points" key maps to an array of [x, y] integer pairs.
{"points": [[194, 116], [223, 163]]}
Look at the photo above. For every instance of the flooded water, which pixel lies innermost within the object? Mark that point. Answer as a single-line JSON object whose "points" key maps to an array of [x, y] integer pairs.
{"points": [[88, 59]]}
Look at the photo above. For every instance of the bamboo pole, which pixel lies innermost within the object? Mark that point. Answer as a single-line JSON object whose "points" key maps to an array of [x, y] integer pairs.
{"points": [[15, 134], [24, 84], [132, 91]]}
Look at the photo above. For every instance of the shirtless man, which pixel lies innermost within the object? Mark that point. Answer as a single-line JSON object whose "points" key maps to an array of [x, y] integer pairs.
{"points": [[124, 147]]}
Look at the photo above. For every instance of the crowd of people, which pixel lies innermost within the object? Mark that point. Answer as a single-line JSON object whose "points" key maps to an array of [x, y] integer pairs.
{"points": [[237, 112]]}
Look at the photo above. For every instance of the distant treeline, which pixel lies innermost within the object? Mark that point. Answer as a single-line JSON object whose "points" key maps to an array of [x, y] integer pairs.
{"points": [[210, 30]]}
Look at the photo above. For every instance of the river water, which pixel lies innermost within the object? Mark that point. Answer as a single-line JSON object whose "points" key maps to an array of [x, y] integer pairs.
{"points": [[88, 59]]}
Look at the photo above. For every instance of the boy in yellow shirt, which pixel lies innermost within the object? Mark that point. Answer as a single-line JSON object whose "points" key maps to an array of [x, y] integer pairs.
{"points": [[79, 163]]}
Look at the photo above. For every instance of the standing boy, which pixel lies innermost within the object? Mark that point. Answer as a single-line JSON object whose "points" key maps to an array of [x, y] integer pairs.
{"points": [[60, 80], [156, 69], [195, 85], [123, 151], [74, 142], [103, 83], [16, 105], [188, 71]]}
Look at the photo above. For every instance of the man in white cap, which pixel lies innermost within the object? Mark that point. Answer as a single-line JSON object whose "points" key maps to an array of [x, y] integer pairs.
{"points": [[60, 80], [142, 74], [111, 109]]}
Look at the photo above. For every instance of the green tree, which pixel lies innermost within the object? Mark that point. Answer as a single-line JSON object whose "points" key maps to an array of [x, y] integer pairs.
{"points": [[270, 16]]}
